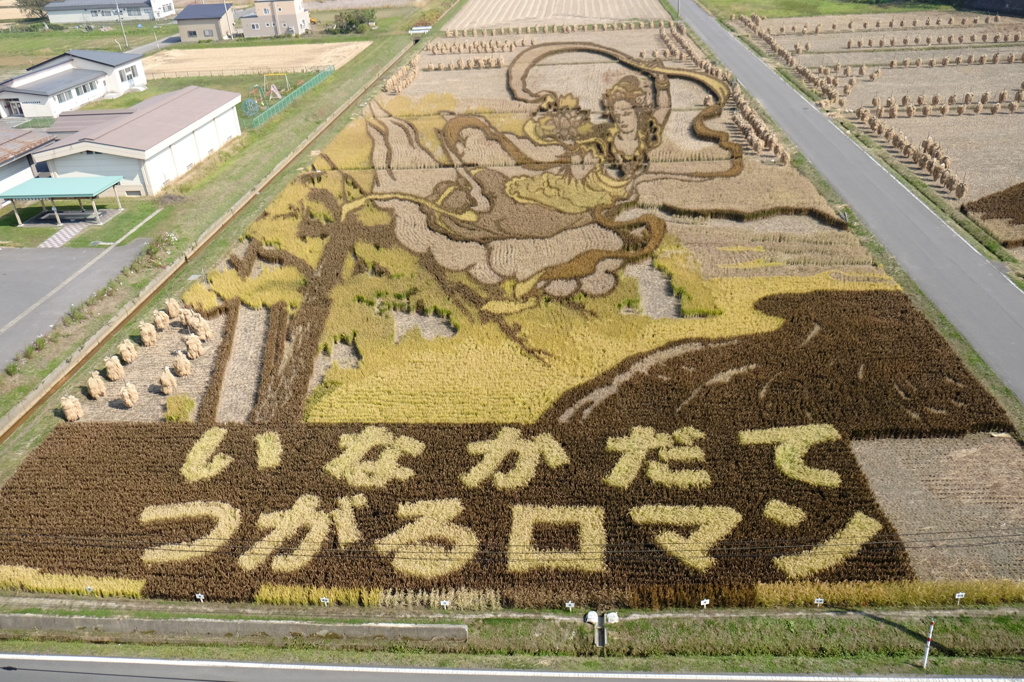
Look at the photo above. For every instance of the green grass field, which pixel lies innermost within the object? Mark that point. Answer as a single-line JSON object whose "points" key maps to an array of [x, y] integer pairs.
{"points": [[158, 86], [18, 51], [807, 8]]}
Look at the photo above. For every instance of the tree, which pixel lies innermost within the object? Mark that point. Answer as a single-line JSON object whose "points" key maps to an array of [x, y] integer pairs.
{"points": [[348, 21], [32, 8]]}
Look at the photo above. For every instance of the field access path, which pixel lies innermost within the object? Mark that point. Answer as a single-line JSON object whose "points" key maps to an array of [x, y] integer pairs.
{"points": [[970, 290]]}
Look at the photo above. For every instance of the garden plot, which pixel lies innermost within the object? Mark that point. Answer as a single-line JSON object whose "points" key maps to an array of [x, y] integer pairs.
{"points": [[930, 486], [507, 13], [256, 59], [571, 328]]}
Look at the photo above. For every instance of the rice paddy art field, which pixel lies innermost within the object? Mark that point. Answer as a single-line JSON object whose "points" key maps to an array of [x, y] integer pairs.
{"points": [[563, 325]]}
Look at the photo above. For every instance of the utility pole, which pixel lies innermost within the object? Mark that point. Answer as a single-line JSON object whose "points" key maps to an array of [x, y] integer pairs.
{"points": [[120, 20]]}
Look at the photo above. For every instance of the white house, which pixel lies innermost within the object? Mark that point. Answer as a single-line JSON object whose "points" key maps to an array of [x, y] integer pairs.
{"points": [[275, 18], [149, 144], [15, 147], [98, 11], [69, 81]]}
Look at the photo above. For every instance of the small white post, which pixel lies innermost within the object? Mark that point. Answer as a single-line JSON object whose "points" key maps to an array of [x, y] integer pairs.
{"points": [[201, 598], [704, 603], [818, 602], [569, 605], [445, 604], [959, 596], [324, 601], [928, 646]]}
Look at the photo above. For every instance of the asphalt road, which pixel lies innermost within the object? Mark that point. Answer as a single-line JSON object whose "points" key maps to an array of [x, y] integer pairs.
{"points": [[63, 668], [970, 290], [38, 286]]}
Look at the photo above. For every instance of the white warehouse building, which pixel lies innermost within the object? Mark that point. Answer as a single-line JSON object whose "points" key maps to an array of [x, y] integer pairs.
{"points": [[149, 145], [98, 11]]}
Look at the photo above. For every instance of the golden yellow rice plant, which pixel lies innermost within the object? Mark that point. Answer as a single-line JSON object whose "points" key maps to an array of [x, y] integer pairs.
{"points": [[353, 467], [414, 547], [792, 443], [834, 551], [305, 518], [890, 593], [201, 463], [281, 595], [33, 580], [268, 450], [785, 514], [179, 408], [227, 520], [711, 525], [270, 287], [523, 554]]}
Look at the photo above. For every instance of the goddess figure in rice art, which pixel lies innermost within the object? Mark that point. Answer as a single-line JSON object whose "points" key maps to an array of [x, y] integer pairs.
{"points": [[548, 209]]}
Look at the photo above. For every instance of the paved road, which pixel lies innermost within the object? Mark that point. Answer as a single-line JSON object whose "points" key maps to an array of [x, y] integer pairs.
{"points": [[63, 668], [969, 289], [38, 286]]}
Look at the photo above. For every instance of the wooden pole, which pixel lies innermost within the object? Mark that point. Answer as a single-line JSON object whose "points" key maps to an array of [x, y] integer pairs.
{"points": [[95, 211], [56, 215], [16, 216], [118, 197]]}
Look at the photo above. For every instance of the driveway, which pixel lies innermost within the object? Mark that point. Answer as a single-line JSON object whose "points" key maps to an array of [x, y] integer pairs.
{"points": [[38, 286]]}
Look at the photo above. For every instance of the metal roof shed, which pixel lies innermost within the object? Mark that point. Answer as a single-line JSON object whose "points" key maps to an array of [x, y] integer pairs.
{"points": [[41, 189]]}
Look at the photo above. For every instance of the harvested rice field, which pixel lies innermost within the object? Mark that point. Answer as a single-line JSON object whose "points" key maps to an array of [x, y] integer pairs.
{"points": [[564, 324], [941, 92], [481, 14]]}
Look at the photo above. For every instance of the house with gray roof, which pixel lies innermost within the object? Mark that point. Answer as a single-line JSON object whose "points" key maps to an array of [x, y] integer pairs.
{"points": [[149, 144], [100, 11], [15, 148], [69, 81]]}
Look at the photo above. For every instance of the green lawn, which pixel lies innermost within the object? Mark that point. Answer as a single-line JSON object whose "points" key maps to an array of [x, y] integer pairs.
{"points": [[18, 51], [158, 86], [135, 212], [12, 234], [806, 8]]}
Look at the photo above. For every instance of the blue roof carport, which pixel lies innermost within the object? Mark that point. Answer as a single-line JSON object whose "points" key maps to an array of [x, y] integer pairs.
{"points": [[41, 189]]}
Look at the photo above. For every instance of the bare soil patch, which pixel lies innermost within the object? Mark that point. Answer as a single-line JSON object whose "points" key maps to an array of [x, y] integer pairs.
{"points": [[242, 60], [502, 13], [242, 378], [955, 502]]}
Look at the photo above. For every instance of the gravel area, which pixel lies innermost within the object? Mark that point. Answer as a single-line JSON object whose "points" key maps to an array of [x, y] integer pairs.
{"points": [[955, 501], [341, 354], [145, 373], [242, 378], [430, 326], [656, 298]]}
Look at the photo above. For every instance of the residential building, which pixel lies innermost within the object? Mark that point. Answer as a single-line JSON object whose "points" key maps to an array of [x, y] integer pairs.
{"points": [[197, 23], [275, 18], [149, 144], [100, 11], [69, 81], [15, 147]]}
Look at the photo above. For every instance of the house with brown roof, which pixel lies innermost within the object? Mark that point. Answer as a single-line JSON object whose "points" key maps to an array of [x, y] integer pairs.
{"points": [[149, 144], [197, 23], [15, 148]]}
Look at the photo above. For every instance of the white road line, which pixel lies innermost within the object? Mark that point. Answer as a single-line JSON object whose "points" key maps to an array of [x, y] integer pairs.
{"points": [[492, 673], [53, 292]]}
